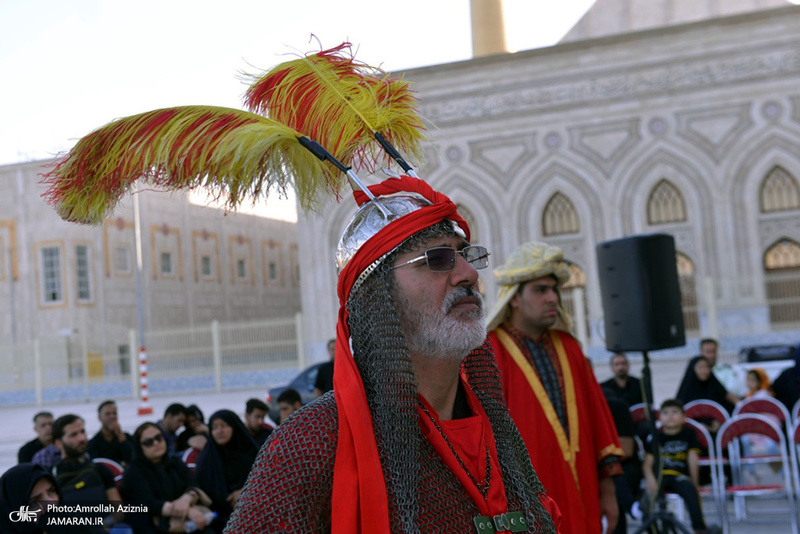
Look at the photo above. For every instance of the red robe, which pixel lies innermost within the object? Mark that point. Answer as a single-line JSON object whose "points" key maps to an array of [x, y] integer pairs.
{"points": [[567, 467]]}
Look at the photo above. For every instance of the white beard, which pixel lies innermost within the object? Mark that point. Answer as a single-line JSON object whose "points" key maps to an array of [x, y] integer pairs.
{"points": [[441, 334]]}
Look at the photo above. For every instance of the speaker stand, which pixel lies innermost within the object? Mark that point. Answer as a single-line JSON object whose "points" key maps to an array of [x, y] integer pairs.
{"points": [[660, 520]]}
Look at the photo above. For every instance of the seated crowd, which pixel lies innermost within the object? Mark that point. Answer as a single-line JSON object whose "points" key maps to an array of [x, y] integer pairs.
{"points": [[678, 471], [182, 468], [187, 473]]}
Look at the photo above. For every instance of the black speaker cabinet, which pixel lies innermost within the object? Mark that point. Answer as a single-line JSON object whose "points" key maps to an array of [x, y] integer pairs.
{"points": [[641, 294]]}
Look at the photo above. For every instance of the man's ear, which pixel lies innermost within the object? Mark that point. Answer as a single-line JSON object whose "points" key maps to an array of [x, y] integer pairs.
{"points": [[514, 302]]}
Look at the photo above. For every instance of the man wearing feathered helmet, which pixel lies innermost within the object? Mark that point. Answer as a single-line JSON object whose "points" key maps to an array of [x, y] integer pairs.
{"points": [[415, 436], [551, 391]]}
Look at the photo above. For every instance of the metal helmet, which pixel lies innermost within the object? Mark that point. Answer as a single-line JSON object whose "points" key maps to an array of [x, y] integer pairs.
{"points": [[371, 218]]}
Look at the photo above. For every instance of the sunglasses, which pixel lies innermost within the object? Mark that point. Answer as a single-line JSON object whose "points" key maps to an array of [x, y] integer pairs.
{"points": [[443, 259], [158, 438]]}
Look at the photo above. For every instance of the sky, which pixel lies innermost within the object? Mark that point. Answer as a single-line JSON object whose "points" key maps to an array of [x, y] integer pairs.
{"points": [[70, 66]]}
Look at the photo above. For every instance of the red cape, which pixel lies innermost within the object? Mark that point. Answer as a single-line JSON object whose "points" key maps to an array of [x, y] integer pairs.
{"points": [[566, 467]]}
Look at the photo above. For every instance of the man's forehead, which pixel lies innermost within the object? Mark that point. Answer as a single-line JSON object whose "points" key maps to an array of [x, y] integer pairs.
{"points": [[75, 426], [445, 241], [545, 281]]}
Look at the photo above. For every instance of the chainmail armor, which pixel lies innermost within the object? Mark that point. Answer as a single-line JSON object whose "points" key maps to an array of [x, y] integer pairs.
{"points": [[293, 475]]}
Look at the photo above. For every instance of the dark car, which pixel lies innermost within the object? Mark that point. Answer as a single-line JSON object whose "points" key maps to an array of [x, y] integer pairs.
{"points": [[766, 353], [303, 383]]}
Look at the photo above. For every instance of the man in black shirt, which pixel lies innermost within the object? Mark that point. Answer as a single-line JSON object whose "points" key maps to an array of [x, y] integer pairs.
{"points": [[43, 426], [255, 411], [324, 382], [288, 402], [80, 480], [110, 441], [173, 420], [622, 385]]}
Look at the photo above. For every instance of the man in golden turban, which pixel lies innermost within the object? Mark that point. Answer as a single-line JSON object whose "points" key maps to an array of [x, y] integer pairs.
{"points": [[551, 391]]}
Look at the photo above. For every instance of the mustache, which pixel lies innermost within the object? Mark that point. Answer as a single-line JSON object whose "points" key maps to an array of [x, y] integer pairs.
{"points": [[459, 294]]}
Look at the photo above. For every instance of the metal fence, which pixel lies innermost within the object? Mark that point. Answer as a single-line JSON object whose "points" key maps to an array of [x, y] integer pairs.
{"points": [[218, 356], [207, 357]]}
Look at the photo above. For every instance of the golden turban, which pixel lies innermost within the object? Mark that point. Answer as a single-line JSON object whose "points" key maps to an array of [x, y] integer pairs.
{"points": [[528, 262]]}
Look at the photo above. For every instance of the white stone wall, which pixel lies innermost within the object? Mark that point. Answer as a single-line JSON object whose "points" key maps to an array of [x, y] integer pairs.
{"points": [[710, 106], [171, 224], [608, 17]]}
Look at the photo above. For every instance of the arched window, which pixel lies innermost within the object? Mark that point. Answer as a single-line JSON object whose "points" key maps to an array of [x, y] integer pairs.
{"points": [[665, 204], [779, 191], [559, 216], [785, 254], [782, 279], [688, 287]]}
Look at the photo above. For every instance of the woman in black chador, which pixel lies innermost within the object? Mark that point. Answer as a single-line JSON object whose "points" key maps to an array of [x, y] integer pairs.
{"points": [[225, 462], [161, 483]]}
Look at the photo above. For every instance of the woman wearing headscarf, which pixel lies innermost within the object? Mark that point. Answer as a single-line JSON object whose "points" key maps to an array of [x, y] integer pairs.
{"points": [[161, 483], [758, 384], [700, 383], [225, 462], [194, 426], [25, 486]]}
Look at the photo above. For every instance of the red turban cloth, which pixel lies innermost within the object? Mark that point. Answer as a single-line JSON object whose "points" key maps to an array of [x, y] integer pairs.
{"points": [[359, 491]]}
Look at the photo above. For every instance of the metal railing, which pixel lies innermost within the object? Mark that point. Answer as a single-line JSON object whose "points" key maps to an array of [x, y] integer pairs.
{"points": [[218, 356], [214, 356]]}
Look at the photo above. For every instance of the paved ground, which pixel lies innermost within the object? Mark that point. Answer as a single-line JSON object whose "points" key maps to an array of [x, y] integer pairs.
{"points": [[17, 424]]}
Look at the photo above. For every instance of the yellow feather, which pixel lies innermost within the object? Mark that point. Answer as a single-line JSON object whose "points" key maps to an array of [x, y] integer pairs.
{"points": [[340, 103], [237, 154]]}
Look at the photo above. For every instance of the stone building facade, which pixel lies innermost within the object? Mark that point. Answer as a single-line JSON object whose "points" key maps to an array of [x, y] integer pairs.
{"points": [[689, 129], [199, 264]]}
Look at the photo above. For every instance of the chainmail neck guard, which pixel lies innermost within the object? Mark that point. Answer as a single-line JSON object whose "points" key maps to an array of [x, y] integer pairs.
{"points": [[420, 488]]}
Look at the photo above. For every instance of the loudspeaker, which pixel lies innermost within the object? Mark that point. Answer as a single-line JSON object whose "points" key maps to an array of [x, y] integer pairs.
{"points": [[641, 294]]}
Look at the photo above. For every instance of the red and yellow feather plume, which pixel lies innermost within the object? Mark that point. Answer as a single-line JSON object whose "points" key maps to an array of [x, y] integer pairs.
{"points": [[236, 154], [340, 103]]}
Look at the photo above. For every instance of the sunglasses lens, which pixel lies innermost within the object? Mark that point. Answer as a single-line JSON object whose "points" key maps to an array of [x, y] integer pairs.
{"points": [[478, 257], [441, 259], [155, 439]]}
